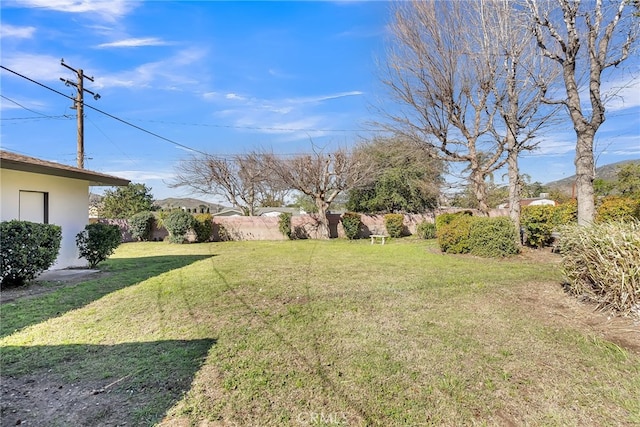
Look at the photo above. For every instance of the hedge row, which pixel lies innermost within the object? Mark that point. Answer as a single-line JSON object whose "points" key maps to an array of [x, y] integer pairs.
{"points": [[488, 237]]}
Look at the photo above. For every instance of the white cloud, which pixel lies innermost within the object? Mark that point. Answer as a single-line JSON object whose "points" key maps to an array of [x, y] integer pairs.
{"points": [[621, 94], [553, 148], [235, 97], [140, 175], [37, 67], [292, 118], [110, 10], [169, 73], [135, 42], [7, 30]]}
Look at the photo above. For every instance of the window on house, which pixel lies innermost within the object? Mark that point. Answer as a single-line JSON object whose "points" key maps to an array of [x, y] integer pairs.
{"points": [[34, 206]]}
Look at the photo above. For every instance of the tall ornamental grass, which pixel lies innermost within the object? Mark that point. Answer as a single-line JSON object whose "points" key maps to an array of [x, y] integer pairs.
{"points": [[602, 263]]}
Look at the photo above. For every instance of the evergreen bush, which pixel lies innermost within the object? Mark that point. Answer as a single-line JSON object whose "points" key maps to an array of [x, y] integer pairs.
{"points": [[453, 237], [284, 224], [446, 218], [614, 208], [178, 223], [602, 262], [203, 227], [394, 224], [26, 250], [351, 222], [97, 241], [140, 225], [493, 237], [426, 230], [537, 223]]}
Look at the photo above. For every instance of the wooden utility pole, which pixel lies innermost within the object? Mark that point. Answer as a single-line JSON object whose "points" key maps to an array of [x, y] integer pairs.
{"points": [[78, 105]]}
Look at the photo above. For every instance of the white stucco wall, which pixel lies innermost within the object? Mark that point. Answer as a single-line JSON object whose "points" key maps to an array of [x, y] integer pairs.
{"points": [[68, 207]]}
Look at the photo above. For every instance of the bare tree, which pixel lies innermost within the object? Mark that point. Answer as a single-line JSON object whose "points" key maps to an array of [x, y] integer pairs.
{"points": [[442, 77], [584, 39], [240, 179], [321, 176], [522, 79]]}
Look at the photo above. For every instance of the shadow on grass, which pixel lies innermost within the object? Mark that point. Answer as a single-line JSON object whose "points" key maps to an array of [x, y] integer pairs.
{"points": [[97, 385], [124, 272]]}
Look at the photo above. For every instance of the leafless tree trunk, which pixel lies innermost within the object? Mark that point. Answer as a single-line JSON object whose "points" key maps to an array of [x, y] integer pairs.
{"points": [[241, 180], [521, 83], [318, 175], [584, 37], [442, 78]]}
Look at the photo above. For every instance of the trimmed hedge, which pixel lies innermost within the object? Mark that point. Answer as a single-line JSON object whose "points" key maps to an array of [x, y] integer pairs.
{"points": [[447, 218], [493, 237], [481, 236], [203, 227], [26, 250], [538, 222], [351, 222], [426, 230], [453, 236], [97, 241], [178, 223], [394, 224], [615, 208], [602, 263], [140, 225]]}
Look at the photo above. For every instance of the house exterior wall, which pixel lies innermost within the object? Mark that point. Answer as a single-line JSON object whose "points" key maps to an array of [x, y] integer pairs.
{"points": [[68, 207]]}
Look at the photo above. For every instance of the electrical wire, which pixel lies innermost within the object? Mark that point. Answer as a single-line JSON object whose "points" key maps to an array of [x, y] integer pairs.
{"points": [[41, 115], [186, 147]]}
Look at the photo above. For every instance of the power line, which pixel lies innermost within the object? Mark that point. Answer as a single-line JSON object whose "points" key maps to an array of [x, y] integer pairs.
{"points": [[30, 110], [107, 114]]}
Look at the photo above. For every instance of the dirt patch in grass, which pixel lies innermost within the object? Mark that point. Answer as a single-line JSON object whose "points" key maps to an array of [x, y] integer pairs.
{"points": [[40, 287], [48, 400], [553, 306]]}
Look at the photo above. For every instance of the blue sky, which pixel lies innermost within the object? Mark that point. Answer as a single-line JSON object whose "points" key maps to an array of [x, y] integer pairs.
{"points": [[223, 78]]}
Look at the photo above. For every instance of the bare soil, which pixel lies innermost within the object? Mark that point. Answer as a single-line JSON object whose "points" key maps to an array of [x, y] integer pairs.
{"points": [[49, 400]]}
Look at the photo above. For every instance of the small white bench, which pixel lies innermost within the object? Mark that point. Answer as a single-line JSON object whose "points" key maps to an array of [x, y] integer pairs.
{"points": [[375, 237]]}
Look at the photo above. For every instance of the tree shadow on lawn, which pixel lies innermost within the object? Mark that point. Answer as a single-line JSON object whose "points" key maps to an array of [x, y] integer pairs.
{"points": [[97, 385], [121, 273]]}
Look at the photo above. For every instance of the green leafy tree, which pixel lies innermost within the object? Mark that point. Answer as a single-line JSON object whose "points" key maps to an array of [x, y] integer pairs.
{"points": [[127, 201], [303, 202], [405, 178]]}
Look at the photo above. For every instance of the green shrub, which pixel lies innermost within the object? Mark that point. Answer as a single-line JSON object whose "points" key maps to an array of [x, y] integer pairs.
{"points": [[394, 224], [351, 222], [426, 230], [601, 262], [203, 227], [140, 225], [26, 249], [537, 223], [97, 241], [493, 237], [284, 224], [453, 237], [178, 223], [446, 218], [565, 214], [615, 208]]}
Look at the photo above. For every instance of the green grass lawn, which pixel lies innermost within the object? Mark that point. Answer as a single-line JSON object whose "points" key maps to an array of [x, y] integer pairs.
{"points": [[318, 333]]}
